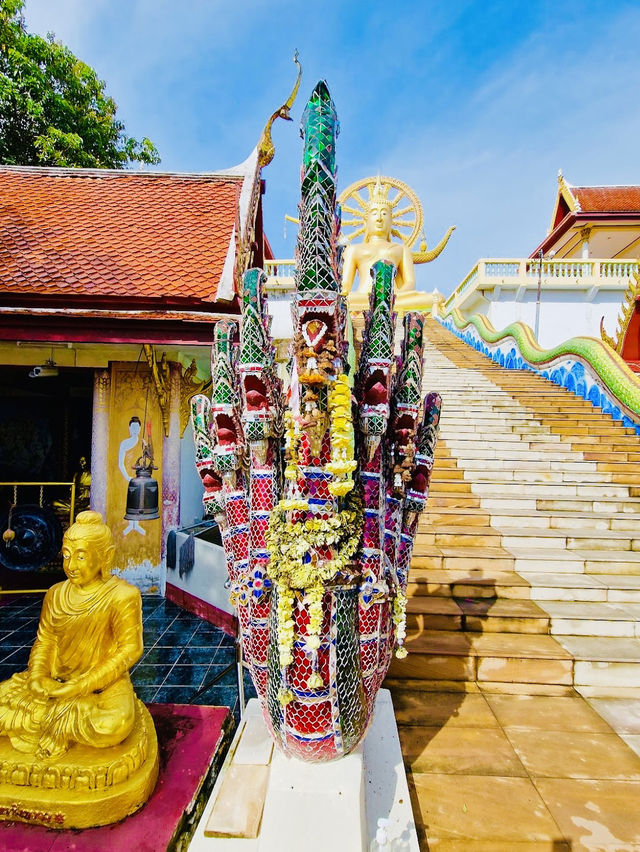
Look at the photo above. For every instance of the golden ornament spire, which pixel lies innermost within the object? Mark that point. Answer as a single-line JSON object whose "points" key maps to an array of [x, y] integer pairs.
{"points": [[266, 148], [379, 195]]}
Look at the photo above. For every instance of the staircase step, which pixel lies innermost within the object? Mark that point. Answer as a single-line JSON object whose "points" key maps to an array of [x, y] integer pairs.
{"points": [[462, 500], [458, 583], [603, 662], [444, 516], [579, 618], [522, 519], [549, 491], [490, 657], [545, 476], [525, 463], [529, 555], [571, 539], [476, 615], [566, 587], [465, 559], [458, 536], [433, 613], [503, 616], [620, 588], [602, 504], [542, 560], [467, 452]]}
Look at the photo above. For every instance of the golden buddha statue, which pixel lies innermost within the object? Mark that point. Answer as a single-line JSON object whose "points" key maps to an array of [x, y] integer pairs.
{"points": [[82, 482], [77, 748], [380, 218]]}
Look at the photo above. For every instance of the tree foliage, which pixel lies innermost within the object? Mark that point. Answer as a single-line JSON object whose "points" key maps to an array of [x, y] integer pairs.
{"points": [[53, 108]]}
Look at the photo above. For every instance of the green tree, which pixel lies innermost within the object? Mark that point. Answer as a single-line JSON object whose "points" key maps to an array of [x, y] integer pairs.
{"points": [[53, 108]]}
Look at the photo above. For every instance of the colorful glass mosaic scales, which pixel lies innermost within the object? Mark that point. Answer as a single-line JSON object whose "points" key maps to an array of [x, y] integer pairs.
{"points": [[318, 493]]}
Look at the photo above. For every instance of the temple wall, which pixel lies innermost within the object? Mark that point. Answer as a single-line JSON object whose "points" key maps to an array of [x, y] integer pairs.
{"points": [[138, 543], [562, 314], [191, 489]]}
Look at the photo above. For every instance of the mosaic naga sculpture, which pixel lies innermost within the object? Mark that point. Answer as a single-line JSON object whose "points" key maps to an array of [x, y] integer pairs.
{"points": [[317, 491]]}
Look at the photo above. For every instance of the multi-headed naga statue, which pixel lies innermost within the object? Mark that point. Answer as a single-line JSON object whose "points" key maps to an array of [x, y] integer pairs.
{"points": [[318, 490]]}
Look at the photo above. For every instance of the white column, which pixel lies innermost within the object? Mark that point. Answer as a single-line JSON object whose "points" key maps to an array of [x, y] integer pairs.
{"points": [[171, 464], [100, 441]]}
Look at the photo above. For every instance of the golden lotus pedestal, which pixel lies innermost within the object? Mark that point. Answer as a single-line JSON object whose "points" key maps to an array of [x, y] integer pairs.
{"points": [[84, 787]]}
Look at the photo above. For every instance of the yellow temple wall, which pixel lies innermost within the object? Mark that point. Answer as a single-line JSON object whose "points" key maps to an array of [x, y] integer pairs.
{"points": [[138, 543]]}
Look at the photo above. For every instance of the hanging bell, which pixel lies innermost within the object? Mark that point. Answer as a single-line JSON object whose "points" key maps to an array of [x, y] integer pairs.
{"points": [[142, 494]]}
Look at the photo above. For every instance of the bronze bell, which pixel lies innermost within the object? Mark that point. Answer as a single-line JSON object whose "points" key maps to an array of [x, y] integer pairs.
{"points": [[142, 494]]}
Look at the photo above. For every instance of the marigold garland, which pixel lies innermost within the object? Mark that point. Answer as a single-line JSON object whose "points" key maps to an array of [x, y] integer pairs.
{"points": [[295, 565]]}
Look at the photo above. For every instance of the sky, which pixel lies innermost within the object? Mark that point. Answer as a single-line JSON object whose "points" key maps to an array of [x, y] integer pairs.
{"points": [[475, 105]]}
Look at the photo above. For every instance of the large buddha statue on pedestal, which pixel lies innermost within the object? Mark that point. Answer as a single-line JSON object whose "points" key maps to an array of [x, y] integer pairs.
{"points": [[77, 748], [380, 218]]}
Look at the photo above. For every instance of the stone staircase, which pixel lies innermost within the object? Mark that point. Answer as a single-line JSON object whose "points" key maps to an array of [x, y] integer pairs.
{"points": [[526, 569]]}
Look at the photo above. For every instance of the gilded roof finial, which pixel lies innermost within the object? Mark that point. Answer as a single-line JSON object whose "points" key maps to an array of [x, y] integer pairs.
{"points": [[266, 148]]}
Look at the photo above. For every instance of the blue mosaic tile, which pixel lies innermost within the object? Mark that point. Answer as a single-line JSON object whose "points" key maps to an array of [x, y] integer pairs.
{"points": [[199, 655], [229, 678], [145, 675], [176, 695], [204, 639], [160, 654], [171, 635], [17, 656], [186, 676]]}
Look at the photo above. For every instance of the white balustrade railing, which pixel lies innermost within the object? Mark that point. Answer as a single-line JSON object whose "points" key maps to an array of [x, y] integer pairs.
{"points": [[466, 284], [618, 268], [280, 268], [501, 268], [561, 268], [488, 274]]}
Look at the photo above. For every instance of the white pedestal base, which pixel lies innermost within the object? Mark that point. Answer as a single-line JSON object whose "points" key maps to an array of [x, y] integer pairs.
{"points": [[315, 807]]}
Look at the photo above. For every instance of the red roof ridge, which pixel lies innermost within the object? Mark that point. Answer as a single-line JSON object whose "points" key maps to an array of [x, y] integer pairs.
{"points": [[53, 171], [604, 186]]}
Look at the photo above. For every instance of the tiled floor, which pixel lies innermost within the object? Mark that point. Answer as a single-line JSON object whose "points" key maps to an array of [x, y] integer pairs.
{"points": [[181, 652], [505, 772]]}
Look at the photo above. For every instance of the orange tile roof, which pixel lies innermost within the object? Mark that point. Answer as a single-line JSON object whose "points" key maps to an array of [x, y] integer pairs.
{"points": [[607, 199], [128, 235]]}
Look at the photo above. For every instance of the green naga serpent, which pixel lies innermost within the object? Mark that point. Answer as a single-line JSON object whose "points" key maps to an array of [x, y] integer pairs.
{"points": [[317, 487]]}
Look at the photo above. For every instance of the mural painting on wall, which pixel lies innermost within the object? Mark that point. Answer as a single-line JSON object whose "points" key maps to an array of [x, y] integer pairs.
{"points": [[134, 415]]}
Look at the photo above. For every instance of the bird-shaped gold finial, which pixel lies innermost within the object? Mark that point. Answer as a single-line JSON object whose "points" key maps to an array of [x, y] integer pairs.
{"points": [[266, 148]]}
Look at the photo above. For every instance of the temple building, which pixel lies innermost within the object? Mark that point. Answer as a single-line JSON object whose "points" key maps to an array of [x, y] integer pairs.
{"points": [[110, 282], [583, 268]]}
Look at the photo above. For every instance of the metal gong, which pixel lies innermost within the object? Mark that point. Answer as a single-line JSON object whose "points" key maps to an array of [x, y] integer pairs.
{"points": [[36, 541]]}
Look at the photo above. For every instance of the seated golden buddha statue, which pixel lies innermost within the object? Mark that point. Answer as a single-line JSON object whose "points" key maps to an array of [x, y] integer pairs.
{"points": [[82, 482], [73, 735], [380, 221]]}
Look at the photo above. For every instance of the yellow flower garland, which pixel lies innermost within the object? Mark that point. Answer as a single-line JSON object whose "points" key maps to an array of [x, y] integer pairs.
{"points": [[400, 621], [290, 544], [342, 462], [293, 547]]}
